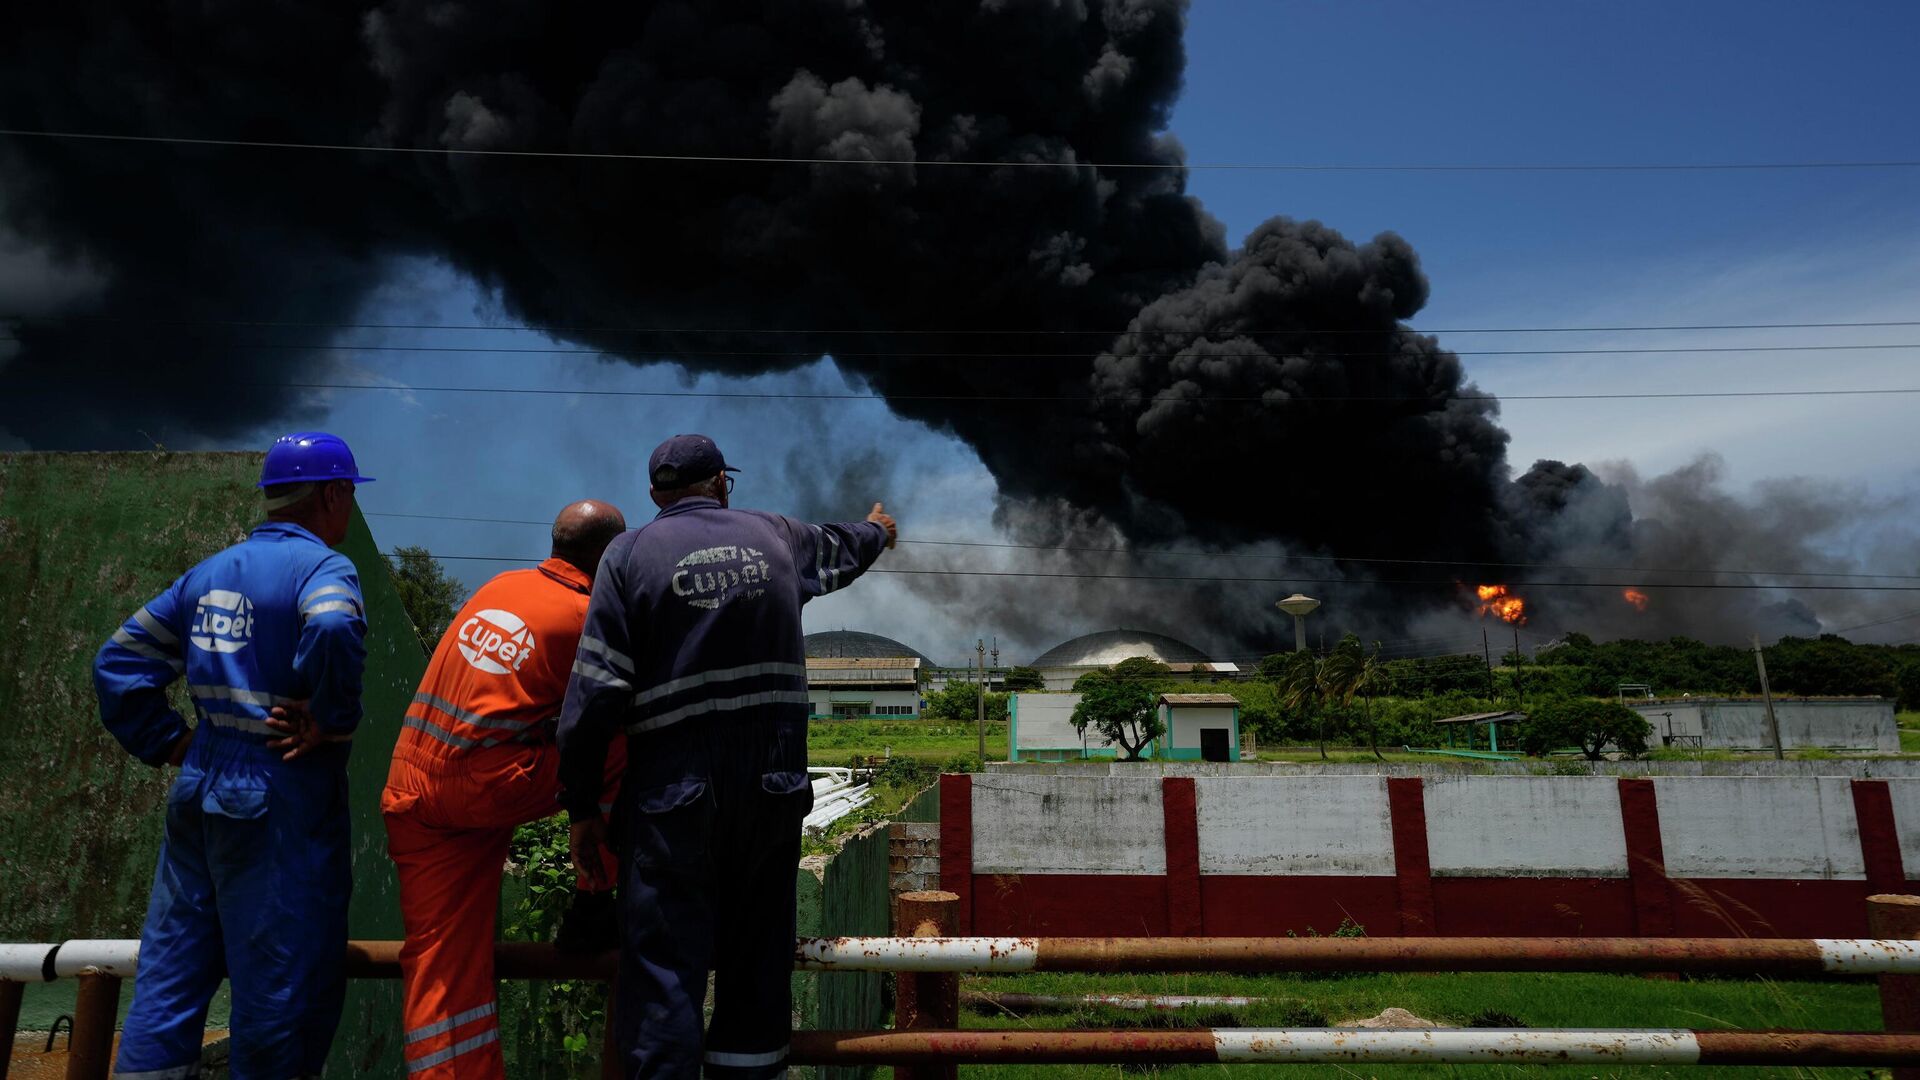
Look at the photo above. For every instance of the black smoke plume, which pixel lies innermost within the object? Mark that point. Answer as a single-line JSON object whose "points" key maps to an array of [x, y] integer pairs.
{"points": [[1267, 396]]}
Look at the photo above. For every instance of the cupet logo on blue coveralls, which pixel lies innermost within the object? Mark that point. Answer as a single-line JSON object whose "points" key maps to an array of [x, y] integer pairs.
{"points": [[222, 621], [712, 576]]}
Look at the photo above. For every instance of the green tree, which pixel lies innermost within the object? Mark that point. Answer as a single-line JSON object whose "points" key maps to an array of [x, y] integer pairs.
{"points": [[430, 595], [960, 701], [1352, 672], [1025, 678], [1909, 683], [1120, 707], [1300, 679], [1588, 723]]}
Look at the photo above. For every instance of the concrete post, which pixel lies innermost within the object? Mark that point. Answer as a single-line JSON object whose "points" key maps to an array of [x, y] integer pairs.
{"points": [[1891, 916], [927, 1000], [95, 1009], [10, 994]]}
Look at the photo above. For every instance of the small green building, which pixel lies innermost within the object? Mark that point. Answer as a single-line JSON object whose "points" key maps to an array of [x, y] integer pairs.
{"points": [[1198, 727]]}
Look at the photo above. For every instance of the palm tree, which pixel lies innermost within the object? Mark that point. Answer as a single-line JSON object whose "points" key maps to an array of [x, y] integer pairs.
{"points": [[1301, 682], [1352, 672]]}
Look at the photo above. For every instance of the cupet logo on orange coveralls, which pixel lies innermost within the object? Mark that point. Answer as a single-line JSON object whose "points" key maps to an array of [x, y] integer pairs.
{"points": [[496, 641]]}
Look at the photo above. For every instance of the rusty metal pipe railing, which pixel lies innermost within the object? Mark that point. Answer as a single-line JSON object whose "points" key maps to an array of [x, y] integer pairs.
{"points": [[10, 995], [1307, 1046], [1785, 957], [922, 1000], [927, 965], [1897, 917], [511, 960]]}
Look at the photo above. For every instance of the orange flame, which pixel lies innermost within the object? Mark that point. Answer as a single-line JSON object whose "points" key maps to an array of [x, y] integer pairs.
{"points": [[1635, 597], [1496, 600]]}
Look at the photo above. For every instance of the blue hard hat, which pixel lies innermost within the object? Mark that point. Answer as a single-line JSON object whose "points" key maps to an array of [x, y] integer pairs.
{"points": [[306, 457]]}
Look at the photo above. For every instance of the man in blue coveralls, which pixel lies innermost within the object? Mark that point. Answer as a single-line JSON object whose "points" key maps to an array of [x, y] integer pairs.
{"points": [[254, 868], [693, 646]]}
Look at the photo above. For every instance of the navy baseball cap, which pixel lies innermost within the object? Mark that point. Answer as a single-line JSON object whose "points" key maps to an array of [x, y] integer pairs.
{"points": [[683, 460]]}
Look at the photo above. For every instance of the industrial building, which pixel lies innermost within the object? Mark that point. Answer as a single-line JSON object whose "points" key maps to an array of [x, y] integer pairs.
{"points": [[1863, 723], [1195, 727], [850, 689], [1069, 660], [853, 675], [860, 645]]}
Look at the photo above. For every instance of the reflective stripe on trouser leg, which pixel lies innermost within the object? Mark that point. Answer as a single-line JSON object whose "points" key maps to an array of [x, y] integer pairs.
{"points": [[182, 961], [753, 961], [449, 896], [283, 880]]}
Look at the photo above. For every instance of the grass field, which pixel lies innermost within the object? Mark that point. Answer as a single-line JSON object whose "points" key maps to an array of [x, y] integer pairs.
{"points": [[1490, 1000], [833, 742], [1909, 731]]}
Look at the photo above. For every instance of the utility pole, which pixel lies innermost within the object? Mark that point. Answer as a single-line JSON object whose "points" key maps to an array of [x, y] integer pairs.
{"points": [[1766, 694], [1486, 653], [1519, 693], [980, 726]]}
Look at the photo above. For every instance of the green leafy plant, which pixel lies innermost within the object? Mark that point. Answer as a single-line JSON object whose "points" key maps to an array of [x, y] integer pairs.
{"points": [[563, 1017]]}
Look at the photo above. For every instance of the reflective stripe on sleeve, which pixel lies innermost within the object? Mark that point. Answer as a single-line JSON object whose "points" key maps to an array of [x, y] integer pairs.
{"points": [[140, 648], [745, 671], [744, 701], [618, 660], [595, 673], [327, 606], [466, 716], [329, 590], [156, 628], [428, 727]]}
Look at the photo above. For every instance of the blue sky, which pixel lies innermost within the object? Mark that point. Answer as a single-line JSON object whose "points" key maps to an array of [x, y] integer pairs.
{"points": [[1369, 83]]}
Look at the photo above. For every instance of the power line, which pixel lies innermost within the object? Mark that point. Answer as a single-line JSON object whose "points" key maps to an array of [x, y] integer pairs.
{"points": [[1013, 354], [1161, 397], [1146, 552], [1296, 580], [557, 328], [742, 159], [1882, 622]]}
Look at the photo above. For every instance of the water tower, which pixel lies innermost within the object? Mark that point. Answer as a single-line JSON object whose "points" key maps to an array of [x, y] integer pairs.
{"points": [[1299, 607]]}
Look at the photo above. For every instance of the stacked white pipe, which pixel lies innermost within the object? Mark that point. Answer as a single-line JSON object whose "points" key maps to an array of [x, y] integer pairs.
{"points": [[837, 792]]}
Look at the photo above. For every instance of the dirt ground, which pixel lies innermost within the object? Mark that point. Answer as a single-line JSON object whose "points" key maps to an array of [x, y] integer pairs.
{"points": [[31, 1061]]}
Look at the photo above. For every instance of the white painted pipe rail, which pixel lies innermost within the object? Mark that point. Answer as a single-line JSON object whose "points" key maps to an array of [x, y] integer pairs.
{"points": [[986, 955], [25, 963], [989, 955], [105, 956], [1457, 1047], [1303, 1046]]}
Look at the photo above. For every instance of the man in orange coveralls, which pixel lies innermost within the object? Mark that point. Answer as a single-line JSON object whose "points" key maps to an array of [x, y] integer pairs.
{"points": [[476, 758]]}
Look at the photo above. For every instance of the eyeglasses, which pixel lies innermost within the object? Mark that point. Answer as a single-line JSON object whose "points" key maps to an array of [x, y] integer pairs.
{"points": [[729, 479]]}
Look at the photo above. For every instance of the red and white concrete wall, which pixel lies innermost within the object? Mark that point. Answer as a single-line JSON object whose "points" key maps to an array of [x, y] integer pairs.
{"points": [[1693, 856]]}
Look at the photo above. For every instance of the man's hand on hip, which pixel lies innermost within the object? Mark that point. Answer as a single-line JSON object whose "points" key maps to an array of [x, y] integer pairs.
{"points": [[178, 754], [885, 520], [300, 731], [587, 839]]}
